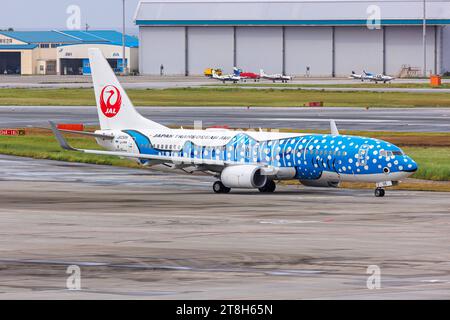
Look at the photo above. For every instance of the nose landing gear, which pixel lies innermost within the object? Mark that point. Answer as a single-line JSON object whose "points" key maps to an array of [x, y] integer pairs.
{"points": [[379, 192]]}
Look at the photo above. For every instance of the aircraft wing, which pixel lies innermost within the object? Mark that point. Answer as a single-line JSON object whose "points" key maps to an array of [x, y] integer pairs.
{"points": [[89, 134]]}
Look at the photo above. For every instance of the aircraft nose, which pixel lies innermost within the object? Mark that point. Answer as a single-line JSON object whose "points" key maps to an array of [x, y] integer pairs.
{"points": [[412, 166]]}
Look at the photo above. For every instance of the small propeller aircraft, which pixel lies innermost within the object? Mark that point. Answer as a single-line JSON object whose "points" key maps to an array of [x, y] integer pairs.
{"points": [[275, 77], [371, 77]]}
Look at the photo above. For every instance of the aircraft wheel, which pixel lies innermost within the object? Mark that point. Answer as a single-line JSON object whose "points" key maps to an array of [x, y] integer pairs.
{"points": [[219, 187], [269, 187], [379, 192]]}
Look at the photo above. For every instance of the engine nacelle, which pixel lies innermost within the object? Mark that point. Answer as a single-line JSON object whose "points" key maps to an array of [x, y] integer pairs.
{"points": [[243, 176], [327, 180], [321, 183]]}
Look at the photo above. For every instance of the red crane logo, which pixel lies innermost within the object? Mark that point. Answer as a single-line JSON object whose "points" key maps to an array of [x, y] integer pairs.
{"points": [[110, 101]]}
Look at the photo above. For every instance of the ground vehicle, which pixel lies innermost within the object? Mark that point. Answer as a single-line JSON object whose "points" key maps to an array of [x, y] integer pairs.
{"points": [[209, 72]]}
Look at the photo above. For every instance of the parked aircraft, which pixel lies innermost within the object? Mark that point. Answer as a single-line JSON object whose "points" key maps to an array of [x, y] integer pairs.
{"points": [[237, 159], [246, 75], [356, 76], [274, 77], [379, 77], [224, 78], [371, 77]]}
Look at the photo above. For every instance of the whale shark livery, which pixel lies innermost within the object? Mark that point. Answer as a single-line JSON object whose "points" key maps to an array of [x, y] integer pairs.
{"points": [[237, 159]]}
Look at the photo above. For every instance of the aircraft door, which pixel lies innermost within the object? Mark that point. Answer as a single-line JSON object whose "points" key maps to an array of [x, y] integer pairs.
{"points": [[363, 155], [131, 144]]}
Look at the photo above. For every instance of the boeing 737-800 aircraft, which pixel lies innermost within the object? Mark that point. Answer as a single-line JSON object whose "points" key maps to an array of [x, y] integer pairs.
{"points": [[238, 159]]}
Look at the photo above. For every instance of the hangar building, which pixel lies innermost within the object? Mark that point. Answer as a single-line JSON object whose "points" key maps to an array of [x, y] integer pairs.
{"points": [[303, 38], [62, 52]]}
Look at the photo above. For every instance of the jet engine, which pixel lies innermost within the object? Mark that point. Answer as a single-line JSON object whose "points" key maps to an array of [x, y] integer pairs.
{"points": [[243, 176]]}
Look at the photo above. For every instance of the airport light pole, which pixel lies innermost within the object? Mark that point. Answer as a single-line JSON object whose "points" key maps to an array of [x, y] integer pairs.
{"points": [[424, 38], [124, 61]]}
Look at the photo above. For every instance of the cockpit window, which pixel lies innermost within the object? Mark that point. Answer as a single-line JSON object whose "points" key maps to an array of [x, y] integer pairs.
{"points": [[386, 153]]}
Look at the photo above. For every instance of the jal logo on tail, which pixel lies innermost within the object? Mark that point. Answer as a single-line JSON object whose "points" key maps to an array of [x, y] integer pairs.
{"points": [[110, 101]]}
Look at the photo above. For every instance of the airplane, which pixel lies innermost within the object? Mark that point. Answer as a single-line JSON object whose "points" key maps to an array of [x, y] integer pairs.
{"points": [[371, 77], [237, 159], [246, 75], [224, 78], [379, 77], [274, 77], [356, 76]]}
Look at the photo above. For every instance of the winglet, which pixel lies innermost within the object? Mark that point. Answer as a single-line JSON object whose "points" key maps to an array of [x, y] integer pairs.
{"points": [[333, 128], [62, 142]]}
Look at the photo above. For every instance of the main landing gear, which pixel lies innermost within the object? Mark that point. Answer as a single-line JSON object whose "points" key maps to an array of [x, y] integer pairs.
{"points": [[379, 192], [219, 187], [269, 187]]}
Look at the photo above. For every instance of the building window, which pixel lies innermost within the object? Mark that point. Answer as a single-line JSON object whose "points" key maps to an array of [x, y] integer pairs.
{"points": [[44, 45], [54, 45]]}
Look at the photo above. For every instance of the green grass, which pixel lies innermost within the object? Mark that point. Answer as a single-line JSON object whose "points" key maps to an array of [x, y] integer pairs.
{"points": [[227, 97], [434, 162], [46, 147], [356, 84]]}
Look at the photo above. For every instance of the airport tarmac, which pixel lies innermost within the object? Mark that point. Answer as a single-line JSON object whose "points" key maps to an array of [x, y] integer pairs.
{"points": [[146, 235], [374, 119]]}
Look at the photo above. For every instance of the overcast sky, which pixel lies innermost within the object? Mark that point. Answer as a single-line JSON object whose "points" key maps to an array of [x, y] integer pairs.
{"points": [[51, 14]]}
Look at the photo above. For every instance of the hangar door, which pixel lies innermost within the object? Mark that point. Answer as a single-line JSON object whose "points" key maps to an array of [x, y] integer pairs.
{"points": [[309, 51], [259, 48], [162, 46], [400, 40], [10, 62], [71, 66], [358, 49], [210, 47]]}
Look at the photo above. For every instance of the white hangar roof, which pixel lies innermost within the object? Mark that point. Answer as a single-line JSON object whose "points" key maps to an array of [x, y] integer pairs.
{"points": [[285, 12]]}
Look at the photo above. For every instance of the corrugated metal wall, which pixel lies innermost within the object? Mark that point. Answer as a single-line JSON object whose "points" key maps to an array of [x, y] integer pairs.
{"points": [[162, 45], [210, 47], [357, 49], [259, 48], [446, 49], [255, 48], [308, 47], [404, 47]]}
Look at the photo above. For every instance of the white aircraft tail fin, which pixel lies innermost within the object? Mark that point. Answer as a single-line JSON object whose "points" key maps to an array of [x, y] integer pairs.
{"points": [[115, 110], [261, 73]]}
